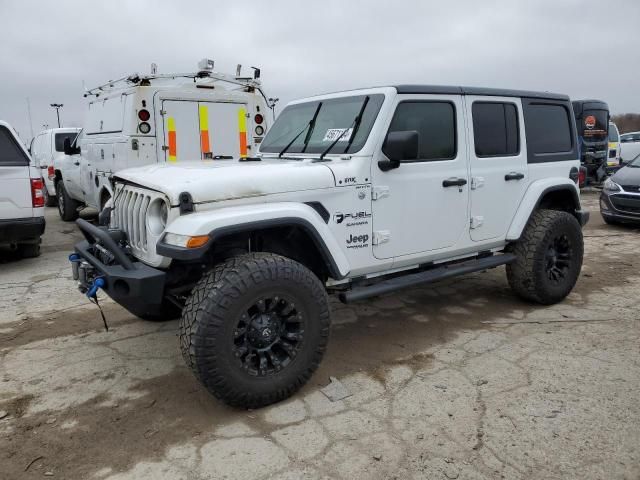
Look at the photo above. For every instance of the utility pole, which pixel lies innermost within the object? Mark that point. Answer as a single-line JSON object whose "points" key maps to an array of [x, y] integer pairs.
{"points": [[57, 106], [29, 113]]}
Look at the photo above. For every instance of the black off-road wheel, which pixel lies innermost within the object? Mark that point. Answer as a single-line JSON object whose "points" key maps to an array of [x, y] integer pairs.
{"points": [[67, 206], [255, 329], [549, 257]]}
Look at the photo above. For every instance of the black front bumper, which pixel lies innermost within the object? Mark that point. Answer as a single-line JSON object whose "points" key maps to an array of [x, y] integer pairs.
{"points": [[136, 286], [18, 230], [620, 207]]}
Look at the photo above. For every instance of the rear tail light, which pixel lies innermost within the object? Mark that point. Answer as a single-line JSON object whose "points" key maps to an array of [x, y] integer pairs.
{"points": [[144, 115], [258, 118], [37, 192], [582, 176], [144, 127], [51, 173]]}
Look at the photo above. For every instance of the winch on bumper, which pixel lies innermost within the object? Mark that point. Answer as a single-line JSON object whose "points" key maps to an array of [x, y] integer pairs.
{"points": [[102, 261]]}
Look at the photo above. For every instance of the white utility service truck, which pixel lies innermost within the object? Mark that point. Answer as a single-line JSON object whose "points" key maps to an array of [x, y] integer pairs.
{"points": [[140, 120]]}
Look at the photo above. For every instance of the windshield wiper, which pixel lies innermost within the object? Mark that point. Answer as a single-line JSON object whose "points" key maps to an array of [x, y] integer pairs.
{"points": [[354, 125], [309, 126]]}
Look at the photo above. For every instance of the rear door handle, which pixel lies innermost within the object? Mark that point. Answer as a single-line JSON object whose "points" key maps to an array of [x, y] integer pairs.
{"points": [[454, 182], [513, 176]]}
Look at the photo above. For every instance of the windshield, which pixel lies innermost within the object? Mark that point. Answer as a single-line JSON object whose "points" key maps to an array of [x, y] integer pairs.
{"points": [[334, 119], [61, 137], [613, 133]]}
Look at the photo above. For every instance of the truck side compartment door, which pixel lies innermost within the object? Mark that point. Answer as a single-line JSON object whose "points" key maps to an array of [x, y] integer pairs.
{"points": [[498, 158], [422, 206]]}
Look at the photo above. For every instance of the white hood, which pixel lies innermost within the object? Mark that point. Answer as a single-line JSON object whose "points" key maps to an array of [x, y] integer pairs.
{"points": [[215, 180]]}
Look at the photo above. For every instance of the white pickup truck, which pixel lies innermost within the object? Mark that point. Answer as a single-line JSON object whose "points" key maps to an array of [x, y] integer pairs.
{"points": [[22, 196]]}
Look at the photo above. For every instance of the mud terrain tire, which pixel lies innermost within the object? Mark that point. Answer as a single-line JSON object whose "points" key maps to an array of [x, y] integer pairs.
{"points": [[255, 329]]}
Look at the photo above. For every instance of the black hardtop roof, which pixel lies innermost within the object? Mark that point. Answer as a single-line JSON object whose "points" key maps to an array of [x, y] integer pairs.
{"points": [[496, 92], [589, 104]]}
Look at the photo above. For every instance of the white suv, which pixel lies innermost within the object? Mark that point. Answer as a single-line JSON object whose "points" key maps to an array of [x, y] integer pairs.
{"points": [[22, 196], [357, 193]]}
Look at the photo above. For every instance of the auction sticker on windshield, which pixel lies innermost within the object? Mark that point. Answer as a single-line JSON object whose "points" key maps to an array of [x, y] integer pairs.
{"points": [[333, 133]]}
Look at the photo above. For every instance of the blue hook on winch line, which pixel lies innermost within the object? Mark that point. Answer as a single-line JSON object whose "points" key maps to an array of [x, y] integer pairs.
{"points": [[74, 257], [93, 289]]}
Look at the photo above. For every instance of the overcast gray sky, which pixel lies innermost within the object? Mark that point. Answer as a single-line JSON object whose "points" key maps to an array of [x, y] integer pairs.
{"points": [[584, 48]]}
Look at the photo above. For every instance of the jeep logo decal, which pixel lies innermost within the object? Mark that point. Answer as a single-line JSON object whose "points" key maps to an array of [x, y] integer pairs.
{"points": [[358, 241]]}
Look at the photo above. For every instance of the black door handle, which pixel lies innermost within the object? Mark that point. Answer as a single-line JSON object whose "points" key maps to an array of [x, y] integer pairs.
{"points": [[513, 176], [76, 163], [454, 182]]}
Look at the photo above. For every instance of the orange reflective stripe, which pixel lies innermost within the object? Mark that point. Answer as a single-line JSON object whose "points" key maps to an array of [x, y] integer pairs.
{"points": [[204, 129], [173, 145], [242, 129]]}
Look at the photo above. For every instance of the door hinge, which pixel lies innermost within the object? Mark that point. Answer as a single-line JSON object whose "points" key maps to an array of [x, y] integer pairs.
{"points": [[163, 112], [476, 221], [165, 148], [381, 236], [379, 192], [476, 182]]}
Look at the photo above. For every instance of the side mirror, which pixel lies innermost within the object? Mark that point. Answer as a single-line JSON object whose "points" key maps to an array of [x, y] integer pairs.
{"points": [[398, 147]]}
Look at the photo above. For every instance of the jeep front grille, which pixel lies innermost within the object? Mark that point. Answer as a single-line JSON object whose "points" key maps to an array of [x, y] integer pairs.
{"points": [[130, 214]]}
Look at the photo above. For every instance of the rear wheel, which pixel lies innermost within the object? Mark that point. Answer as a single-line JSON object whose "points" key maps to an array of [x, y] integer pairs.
{"points": [[49, 201], [29, 250], [255, 328], [549, 257], [67, 206]]}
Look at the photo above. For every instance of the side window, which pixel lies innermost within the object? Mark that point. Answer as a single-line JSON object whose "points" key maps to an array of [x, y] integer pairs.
{"points": [[495, 129], [435, 122], [11, 155], [550, 132]]}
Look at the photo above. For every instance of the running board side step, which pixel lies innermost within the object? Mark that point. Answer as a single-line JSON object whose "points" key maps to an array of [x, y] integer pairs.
{"points": [[427, 276]]}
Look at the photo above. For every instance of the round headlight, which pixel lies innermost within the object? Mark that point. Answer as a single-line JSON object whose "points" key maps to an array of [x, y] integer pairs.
{"points": [[144, 127], [157, 215], [259, 130]]}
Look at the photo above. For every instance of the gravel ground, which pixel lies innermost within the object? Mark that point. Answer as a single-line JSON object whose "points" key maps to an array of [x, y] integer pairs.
{"points": [[455, 380]]}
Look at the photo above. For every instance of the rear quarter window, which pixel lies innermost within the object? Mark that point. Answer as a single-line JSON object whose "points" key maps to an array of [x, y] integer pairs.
{"points": [[550, 131], [11, 155]]}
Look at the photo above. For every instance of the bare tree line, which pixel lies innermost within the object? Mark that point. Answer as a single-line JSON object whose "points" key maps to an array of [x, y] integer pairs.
{"points": [[627, 122]]}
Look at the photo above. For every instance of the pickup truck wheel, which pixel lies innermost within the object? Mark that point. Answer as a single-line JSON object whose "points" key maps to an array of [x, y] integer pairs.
{"points": [[67, 206], [50, 201], [255, 328], [549, 257], [29, 250]]}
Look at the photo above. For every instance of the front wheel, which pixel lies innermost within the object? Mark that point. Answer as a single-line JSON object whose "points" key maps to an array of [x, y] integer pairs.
{"points": [[548, 257], [255, 328], [67, 206]]}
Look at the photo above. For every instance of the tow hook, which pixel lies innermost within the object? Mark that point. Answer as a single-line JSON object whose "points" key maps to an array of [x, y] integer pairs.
{"points": [[93, 289]]}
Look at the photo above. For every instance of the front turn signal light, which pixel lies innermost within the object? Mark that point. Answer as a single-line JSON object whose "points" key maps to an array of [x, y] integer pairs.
{"points": [[185, 241], [197, 241]]}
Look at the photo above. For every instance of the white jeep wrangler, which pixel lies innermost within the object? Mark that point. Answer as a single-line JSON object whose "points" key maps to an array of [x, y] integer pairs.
{"points": [[357, 193]]}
